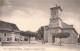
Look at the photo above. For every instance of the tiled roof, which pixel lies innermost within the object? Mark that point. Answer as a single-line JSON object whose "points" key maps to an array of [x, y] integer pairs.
{"points": [[8, 26]]}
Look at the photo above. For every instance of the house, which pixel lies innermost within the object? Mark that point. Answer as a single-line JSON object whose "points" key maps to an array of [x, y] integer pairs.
{"points": [[79, 38], [9, 32], [56, 25]]}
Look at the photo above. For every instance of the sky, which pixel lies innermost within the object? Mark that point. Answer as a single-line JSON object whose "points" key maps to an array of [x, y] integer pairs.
{"points": [[32, 14]]}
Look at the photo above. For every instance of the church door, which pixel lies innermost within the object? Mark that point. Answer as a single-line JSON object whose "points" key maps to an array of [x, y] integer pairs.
{"points": [[53, 39]]}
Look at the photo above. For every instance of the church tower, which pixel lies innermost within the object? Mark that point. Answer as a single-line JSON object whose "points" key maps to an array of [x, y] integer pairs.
{"points": [[55, 24], [55, 20]]}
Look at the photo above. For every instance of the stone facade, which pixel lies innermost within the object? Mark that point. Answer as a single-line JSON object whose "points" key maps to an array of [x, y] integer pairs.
{"points": [[73, 36], [10, 37], [56, 25]]}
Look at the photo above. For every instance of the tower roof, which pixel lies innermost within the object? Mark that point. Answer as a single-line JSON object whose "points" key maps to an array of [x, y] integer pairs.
{"points": [[57, 7]]}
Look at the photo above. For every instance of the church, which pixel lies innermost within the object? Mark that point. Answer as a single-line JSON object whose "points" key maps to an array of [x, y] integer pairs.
{"points": [[56, 25]]}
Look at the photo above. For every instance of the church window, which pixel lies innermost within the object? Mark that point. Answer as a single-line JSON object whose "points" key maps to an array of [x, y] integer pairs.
{"points": [[4, 34]]}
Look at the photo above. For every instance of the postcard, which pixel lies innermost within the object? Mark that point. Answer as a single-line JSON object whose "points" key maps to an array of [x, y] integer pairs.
{"points": [[39, 25]]}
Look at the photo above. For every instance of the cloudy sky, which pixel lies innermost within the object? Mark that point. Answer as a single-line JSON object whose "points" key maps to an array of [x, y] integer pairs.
{"points": [[31, 14]]}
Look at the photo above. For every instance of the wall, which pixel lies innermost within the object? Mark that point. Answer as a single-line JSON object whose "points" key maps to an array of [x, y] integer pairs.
{"points": [[9, 35], [73, 37], [46, 31], [52, 32]]}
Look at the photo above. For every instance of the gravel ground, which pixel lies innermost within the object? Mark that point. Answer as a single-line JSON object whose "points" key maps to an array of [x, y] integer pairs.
{"points": [[37, 46]]}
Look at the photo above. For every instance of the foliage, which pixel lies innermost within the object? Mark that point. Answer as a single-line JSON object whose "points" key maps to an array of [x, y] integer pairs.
{"points": [[41, 32], [29, 34], [62, 35]]}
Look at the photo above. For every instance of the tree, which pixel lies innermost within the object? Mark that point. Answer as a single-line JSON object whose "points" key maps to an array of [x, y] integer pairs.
{"points": [[62, 35], [29, 34], [41, 33], [23, 33]]}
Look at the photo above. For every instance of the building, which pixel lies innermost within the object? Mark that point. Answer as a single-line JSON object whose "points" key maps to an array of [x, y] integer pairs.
{"points": [[79, 38], [9, 32], [56, 25]]}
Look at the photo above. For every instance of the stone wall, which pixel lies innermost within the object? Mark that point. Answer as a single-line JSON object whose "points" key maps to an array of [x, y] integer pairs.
{"points": [[72, 39], [8, 36], [46, 32]]}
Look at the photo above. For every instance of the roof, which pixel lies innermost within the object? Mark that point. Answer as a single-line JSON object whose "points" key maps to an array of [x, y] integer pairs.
{"points": [[64, 25], [8, 26], [46, 26], [57, 7], [70, 28]]}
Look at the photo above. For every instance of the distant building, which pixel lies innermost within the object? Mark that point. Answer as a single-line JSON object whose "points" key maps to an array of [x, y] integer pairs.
{"points": [[56, 25], [9, 32]]}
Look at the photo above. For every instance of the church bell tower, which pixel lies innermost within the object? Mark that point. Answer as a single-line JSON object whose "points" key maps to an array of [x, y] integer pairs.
{"points": [[55, 20], [55, 24]]}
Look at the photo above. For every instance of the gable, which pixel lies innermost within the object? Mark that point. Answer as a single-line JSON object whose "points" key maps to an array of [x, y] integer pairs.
{"points": [[64, 25], [69, 30]]}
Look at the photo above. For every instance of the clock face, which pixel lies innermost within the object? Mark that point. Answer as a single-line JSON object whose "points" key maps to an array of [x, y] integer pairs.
{"points": [[54, 20], [54, 13]]}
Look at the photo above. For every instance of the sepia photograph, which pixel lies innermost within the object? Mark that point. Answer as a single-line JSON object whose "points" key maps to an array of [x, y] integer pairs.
{"points": [[39, 25]]}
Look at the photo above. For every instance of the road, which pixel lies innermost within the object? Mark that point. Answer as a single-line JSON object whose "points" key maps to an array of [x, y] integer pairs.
{"points": [[37, 46]]}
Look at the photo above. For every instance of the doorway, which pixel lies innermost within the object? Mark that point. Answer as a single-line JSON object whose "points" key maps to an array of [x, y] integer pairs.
{"points": [[53, 39]]}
